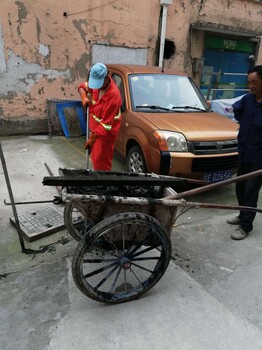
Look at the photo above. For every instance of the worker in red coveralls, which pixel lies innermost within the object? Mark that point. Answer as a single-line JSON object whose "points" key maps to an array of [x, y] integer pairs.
{"points": [[102, 96]]}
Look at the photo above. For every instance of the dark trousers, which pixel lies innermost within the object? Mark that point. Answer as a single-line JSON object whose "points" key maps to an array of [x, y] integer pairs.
{"points": [[247, 192]]}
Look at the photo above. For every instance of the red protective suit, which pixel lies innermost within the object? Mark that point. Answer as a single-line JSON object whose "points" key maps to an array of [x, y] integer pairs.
{"points": [[104, 121]]}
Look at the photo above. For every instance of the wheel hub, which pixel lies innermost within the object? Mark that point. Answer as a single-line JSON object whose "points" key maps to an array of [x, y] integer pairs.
{"points": [[125, 263]]}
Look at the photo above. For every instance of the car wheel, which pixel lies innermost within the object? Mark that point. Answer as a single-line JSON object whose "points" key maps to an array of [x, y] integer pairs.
{"points": [[136, 160]]}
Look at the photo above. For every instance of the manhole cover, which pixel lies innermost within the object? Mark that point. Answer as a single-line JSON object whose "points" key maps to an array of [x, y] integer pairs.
{"points": [[42, 222]]}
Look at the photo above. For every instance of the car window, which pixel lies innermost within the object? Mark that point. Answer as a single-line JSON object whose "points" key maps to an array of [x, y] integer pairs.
{"points": [[165, 90]]}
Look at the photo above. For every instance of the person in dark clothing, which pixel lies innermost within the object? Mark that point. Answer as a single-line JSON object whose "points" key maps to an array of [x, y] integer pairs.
{"points": [[248, 112]]}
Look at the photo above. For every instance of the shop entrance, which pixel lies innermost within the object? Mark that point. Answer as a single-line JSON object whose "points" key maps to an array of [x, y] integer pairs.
{"points": [[225, 67]]}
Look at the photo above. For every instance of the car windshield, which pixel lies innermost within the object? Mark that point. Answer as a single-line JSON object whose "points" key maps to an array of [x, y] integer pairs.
{"points": [[165, 92]]}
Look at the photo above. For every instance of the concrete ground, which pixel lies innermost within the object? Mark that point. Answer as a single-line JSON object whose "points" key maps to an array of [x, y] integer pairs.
{"points": [[209, 298]]}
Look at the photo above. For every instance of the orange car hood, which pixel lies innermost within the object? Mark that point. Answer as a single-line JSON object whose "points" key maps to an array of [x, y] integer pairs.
{"points": [[194, 125]]}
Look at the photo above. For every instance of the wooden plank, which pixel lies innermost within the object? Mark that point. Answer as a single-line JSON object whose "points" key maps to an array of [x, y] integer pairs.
{"points": [[109, 180], [72, 121]]}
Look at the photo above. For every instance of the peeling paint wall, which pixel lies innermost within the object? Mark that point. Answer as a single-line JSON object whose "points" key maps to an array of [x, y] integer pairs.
{"points": [[46, 47], [225, 16], [2, 50]]}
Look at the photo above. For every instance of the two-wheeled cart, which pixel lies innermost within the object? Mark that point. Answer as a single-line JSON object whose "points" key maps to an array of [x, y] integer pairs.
{"points": [[123, 223]]}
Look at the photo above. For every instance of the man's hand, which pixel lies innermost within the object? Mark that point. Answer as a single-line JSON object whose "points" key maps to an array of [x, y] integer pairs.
{"points": [[90, 142], [85, 102], [84, 98]]}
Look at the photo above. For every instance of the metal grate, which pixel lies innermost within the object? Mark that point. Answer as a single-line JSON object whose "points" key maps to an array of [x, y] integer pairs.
{"points": [[213, 147], [39, 223]]}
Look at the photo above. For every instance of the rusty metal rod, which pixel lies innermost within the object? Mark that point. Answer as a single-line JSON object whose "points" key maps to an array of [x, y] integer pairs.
{"points": [[56, 200], [58, 188], [215, 185], [182, 179], [8, 184], [12, 202]]}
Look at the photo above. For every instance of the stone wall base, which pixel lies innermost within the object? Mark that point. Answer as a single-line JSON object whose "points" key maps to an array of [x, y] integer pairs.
{"points": [[23, 126]]}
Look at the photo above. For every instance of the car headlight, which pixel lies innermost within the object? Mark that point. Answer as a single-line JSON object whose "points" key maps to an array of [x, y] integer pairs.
{"points": [[171, 141]]}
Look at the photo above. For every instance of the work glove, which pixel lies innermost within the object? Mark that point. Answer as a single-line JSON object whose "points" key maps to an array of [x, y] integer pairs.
{"points": [[90, 142]]}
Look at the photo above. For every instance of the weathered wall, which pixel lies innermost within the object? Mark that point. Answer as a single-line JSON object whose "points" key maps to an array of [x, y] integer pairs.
{"points": [[221, 16], [46, 46]]}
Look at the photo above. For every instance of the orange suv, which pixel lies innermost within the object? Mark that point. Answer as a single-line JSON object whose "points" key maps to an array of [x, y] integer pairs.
{"points": [[168, 128]]}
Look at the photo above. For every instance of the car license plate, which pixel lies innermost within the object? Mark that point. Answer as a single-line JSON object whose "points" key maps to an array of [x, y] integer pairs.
{"points": [[216, 177]]}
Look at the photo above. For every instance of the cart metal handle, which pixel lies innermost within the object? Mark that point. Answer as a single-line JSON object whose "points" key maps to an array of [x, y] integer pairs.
{"points": [[220, 206], [215, 185]]}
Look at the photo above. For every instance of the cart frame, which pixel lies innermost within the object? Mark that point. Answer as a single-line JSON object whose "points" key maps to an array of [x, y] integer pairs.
{"points": [[124, 241]]}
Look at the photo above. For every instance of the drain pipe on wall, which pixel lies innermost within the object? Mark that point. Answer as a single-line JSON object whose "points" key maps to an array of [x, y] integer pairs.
{"points": [[165, 4]]}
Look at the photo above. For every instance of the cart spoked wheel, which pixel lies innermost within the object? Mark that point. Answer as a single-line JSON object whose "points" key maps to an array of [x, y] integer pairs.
{"points": [[121, 258], [75, 222]]}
